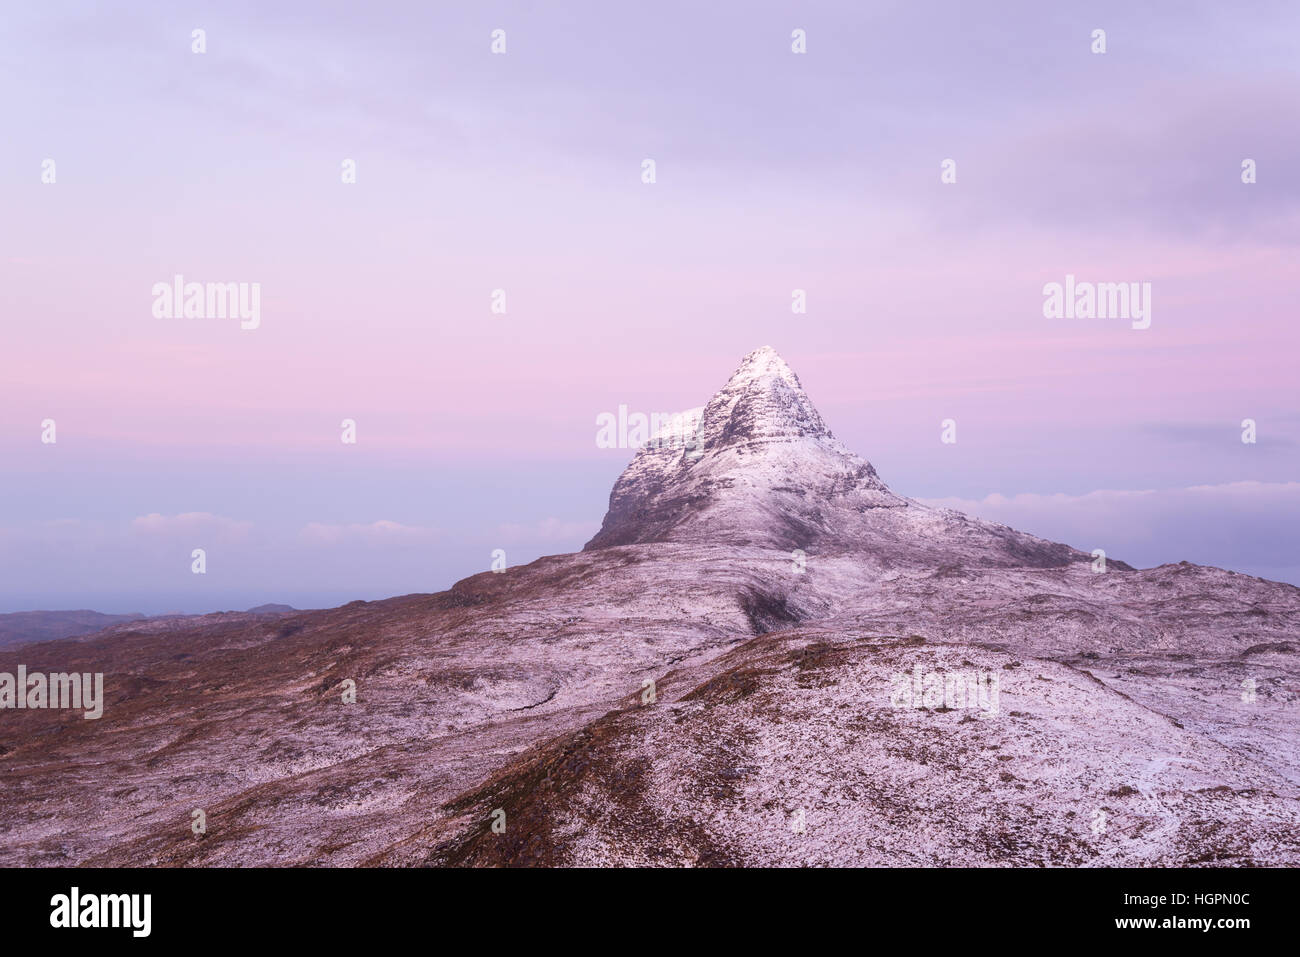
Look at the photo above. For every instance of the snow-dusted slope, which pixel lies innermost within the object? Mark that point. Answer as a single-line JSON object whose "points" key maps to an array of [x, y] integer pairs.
{"points": [[761, 468], [1145, 717]]}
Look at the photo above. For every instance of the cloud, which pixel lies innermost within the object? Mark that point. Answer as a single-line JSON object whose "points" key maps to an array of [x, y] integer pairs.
{"points": [[192, 523], [1245, 526], [548, 530], [382, 532], [1213, 435]]}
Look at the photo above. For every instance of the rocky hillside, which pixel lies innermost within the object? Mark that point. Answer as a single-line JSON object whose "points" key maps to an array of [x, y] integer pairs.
{"points": [[765, 656]]}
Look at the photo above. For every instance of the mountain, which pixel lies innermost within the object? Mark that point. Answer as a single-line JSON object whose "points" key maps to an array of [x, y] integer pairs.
{"points": [[764, 657], [27, 627], [23, 627], [757, 466]]}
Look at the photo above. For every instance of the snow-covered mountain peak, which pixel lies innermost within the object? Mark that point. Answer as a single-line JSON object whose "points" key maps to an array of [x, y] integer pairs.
{"points": [[759, 467], [763, 361], [763, 401]]}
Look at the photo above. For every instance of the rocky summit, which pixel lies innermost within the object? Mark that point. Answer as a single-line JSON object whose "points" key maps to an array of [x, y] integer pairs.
{"points": [[762, 469], [764, 657]]}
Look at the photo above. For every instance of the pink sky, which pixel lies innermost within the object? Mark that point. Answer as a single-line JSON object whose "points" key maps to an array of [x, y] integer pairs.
{"points": [[478, 172]]}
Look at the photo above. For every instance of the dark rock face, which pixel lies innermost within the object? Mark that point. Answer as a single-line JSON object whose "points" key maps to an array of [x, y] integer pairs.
{"points": [[688, 690]]}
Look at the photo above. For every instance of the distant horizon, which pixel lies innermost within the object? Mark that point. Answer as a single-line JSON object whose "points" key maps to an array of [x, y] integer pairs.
{"points": [[1055, 517], [311, 601]]}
